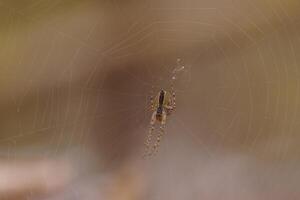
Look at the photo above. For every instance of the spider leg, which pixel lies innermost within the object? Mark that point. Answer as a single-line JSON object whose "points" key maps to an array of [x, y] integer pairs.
{"points": [[173, 98], [152, 99], [161, 132], [177, 69], [150, 134]]}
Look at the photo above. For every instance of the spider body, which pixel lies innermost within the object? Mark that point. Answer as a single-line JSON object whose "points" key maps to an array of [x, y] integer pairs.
{"points": [[162, 105]]}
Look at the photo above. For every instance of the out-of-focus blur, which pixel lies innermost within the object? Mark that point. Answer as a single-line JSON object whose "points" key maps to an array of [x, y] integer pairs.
{"points": [[75, 81]]}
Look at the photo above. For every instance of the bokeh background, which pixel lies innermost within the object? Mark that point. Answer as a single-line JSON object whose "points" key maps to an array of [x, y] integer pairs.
{"points": [[75, 80]]}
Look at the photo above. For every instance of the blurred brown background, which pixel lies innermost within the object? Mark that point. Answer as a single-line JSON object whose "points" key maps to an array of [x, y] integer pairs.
{"points": [[75, 82]]}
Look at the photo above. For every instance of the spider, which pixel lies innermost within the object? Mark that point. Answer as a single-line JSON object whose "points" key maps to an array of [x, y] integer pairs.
{"points": [[162, 106]]}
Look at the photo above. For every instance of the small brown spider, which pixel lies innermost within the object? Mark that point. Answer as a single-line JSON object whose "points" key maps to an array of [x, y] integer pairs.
{"points": [[162, 105]]}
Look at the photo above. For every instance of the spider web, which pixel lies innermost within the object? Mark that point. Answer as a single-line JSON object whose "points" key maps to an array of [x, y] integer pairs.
{"points": [[76, 85]]}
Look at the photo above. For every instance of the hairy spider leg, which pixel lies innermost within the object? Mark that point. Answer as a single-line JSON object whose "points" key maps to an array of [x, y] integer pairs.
{"points": [[177, 69], [152, 98], [160, 134], [173, 97], [150, 134]]}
